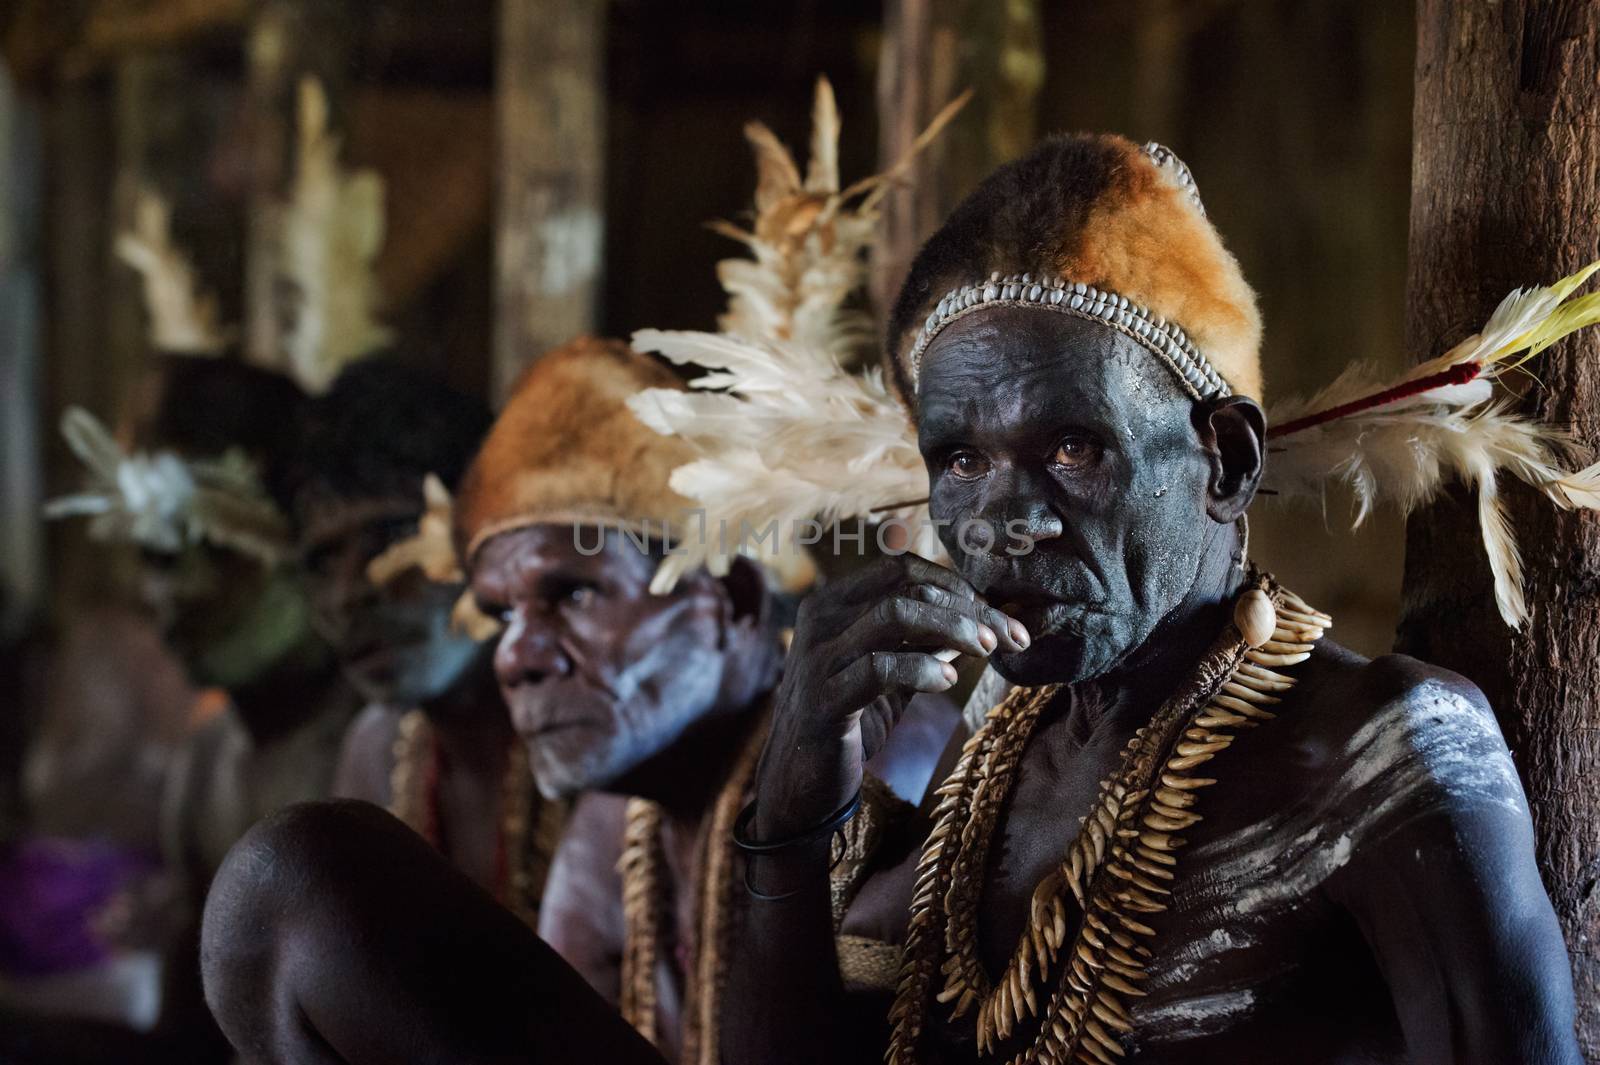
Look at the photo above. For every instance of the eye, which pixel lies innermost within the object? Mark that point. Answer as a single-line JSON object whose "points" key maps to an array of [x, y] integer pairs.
{"points": [[577, 594], [499, 611], [967, 465], [1075, 452]]}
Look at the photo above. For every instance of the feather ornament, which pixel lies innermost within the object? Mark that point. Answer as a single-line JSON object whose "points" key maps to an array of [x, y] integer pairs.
{"points": [[182, 319], [809, 240], [1399, 442], [165, 502], [432, 549], [330, 234], [788, 437], [802, 443]]}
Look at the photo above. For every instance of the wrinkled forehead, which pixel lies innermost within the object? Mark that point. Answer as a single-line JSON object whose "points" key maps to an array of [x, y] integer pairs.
{"points": [[1025, 365]]}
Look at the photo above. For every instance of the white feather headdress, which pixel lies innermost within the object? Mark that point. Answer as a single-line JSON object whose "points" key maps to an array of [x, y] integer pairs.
{"points": [[326, 237], [182, 318], [331, 231], [164, 502], [784, 431]]}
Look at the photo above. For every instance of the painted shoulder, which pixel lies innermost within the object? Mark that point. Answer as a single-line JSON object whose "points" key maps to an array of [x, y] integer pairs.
{"points": [[1399, 737]]}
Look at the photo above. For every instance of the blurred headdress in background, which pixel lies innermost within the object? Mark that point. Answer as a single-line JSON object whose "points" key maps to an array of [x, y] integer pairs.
{"points": [[183, 319], [330, 233], [326, 237], [164, 502]]}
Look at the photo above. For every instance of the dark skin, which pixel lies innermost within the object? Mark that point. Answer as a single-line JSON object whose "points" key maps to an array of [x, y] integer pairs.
{"points": [[631, 694], [611, 688], [620, 693], [396, 647], [1362, 887]]}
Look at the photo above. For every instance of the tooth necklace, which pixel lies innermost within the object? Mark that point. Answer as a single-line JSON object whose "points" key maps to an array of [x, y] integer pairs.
{"points": [[1117, 867]]}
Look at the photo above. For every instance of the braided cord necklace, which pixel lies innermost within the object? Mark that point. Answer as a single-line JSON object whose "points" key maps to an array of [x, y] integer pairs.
{"points": [[646, 908], [522, 856], [1115, 868]]}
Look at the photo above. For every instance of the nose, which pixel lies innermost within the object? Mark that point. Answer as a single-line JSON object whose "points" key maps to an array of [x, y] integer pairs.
{"points": [[1016, 507], [338, 594], [529, 651]]}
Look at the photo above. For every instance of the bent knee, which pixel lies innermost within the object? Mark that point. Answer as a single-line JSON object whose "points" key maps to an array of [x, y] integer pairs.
{"points": [[264, 892]]}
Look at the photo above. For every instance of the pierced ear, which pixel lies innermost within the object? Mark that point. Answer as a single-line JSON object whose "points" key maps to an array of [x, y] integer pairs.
{"points": [[1233, 432]]}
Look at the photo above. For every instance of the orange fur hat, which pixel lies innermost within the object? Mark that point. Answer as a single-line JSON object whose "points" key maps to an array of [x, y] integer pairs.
{"points": [[1097, 227], [566, 450]]}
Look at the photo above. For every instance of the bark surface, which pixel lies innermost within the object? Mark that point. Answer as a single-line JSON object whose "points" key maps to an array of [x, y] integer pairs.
{"points": [[1506, 192]]}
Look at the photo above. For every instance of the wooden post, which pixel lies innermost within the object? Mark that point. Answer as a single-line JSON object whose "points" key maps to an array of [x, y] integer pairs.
{"points": [[22, 570], [551, 195], [1506, 192], [932, 51], [77, 230]]}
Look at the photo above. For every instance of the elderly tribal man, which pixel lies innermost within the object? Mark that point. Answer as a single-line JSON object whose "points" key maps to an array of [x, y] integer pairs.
{"points": [[331, 931], [1194, 829]]}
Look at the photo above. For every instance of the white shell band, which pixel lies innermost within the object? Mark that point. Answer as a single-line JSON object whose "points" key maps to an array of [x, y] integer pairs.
{"points": [[1166, 340]]}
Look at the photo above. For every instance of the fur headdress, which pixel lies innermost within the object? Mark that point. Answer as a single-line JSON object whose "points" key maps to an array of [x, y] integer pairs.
{"points": [[567, 450], [1099, 228]]}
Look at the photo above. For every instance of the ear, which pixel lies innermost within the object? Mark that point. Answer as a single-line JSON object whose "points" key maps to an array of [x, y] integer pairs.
{"points": [[746, 592], [1233, 432]]}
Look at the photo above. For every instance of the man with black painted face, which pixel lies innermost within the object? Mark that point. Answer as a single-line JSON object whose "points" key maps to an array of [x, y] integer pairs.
{"points": [[1190, 829], [650, 709]]}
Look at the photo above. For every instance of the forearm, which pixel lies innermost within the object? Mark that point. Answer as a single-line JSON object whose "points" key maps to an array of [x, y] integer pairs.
{"points": [[784, 1001]]}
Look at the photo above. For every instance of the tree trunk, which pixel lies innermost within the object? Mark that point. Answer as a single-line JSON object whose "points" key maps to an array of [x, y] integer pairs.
{"points": [[932, 51], [1506, 192], [551, 177]]}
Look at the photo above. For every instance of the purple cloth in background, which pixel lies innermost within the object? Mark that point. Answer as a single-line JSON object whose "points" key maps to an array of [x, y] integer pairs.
{"points": [[50, 892]]}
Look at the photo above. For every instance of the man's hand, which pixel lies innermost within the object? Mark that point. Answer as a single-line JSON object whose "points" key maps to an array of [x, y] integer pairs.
{"points": [[862, 646]]}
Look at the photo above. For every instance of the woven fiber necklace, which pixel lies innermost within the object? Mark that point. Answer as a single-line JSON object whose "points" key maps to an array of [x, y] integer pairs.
{"points": [[646, 910], [1116, 868], [522, 856]]}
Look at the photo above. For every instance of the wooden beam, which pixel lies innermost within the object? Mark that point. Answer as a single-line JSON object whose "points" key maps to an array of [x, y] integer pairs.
{"points": [[1506, 192], [550, 196], [932, 51]]}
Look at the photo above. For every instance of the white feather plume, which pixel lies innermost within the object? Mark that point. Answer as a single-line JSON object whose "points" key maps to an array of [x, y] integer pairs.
{"points": [[806, 439], [163, 501], [182, 319], [809, 240], [331, 232], [787, 436], [1399, 442]]}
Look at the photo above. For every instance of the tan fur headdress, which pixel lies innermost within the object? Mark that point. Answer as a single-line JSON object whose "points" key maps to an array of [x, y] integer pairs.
{"points": [[1100, 228], [567, 450]]}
